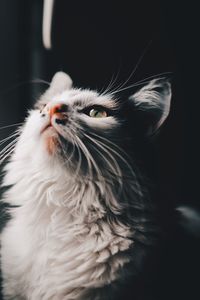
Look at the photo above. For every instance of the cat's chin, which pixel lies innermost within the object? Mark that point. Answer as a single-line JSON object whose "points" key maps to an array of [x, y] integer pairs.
{"points": [[50, 136]]}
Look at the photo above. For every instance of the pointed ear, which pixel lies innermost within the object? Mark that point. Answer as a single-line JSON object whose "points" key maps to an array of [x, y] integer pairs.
{"points": [[59, 83], [152, 103]]}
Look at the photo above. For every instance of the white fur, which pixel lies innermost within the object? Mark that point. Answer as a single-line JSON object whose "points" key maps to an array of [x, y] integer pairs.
{"points": [[53, 246]]}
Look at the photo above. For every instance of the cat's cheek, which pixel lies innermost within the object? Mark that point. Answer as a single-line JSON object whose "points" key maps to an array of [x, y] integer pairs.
{"points": [[100, 123], [35, 123]]}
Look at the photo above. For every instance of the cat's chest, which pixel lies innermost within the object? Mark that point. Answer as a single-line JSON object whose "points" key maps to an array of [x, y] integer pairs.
{"points": [[64, 256], [57, 247]]}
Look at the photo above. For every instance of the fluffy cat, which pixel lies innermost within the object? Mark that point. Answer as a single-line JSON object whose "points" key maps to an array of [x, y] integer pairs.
{"points": [[81, 216]]}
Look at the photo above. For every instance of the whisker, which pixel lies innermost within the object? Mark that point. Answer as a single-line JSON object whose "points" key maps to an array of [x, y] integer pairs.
{"points": [[89, 157], [135, 184], [117, 171], [107, 88], [120, 86], [163, 74], [116, 152], [112, 144], [12, 125], [6, 149], [75, 146], [7, 153], [69, 156], [8, 138], [144, 81], [111, 84], [38, 80], [7, 146], [79, 162]]}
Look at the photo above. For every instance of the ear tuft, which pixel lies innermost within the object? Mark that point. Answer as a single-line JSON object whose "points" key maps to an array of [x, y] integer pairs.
{"points": [[154, 100], [60, 82]]}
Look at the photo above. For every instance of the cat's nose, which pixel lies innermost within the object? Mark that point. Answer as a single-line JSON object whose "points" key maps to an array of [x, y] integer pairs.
{"points": [[59, 110]]}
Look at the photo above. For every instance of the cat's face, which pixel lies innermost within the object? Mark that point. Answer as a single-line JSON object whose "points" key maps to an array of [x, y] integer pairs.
{"points": [[88, 131], [77, 115]]}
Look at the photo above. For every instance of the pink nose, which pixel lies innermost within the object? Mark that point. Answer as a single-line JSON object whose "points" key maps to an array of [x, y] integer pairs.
{"points": [[60, 111]]}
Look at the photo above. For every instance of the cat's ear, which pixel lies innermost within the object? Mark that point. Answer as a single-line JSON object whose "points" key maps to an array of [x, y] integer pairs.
{"points": [[152, 104], [60, 82]]}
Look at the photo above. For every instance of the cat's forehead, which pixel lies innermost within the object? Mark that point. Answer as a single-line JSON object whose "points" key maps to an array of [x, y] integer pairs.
{"points": [[82, 98]]}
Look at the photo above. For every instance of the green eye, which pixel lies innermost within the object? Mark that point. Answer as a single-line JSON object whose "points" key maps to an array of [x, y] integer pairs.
{"points": [[97, 113]]}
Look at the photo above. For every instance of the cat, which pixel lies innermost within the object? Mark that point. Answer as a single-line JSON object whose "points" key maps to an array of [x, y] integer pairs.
{"points": [[81, 217]]}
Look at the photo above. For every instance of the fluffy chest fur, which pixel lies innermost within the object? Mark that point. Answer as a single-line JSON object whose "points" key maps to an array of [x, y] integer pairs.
{"points": [[63, 249]]}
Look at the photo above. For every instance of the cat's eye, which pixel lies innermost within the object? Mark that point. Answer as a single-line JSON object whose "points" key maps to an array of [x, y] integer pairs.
{"points": [[98, 113]]}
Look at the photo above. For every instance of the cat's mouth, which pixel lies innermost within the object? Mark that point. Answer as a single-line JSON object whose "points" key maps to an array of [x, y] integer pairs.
{"points": [[52, 132], [48, 126], [55, 122]]}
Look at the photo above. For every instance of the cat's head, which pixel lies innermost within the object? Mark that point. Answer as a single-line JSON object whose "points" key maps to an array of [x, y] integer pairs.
{"points": [[91, 132]]}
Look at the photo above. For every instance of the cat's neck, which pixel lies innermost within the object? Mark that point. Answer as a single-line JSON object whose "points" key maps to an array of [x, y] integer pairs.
{"points": [[51, 189]]}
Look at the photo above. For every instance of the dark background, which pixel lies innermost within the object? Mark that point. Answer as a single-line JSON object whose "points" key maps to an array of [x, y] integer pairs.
{"points": [[92, 40]]}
